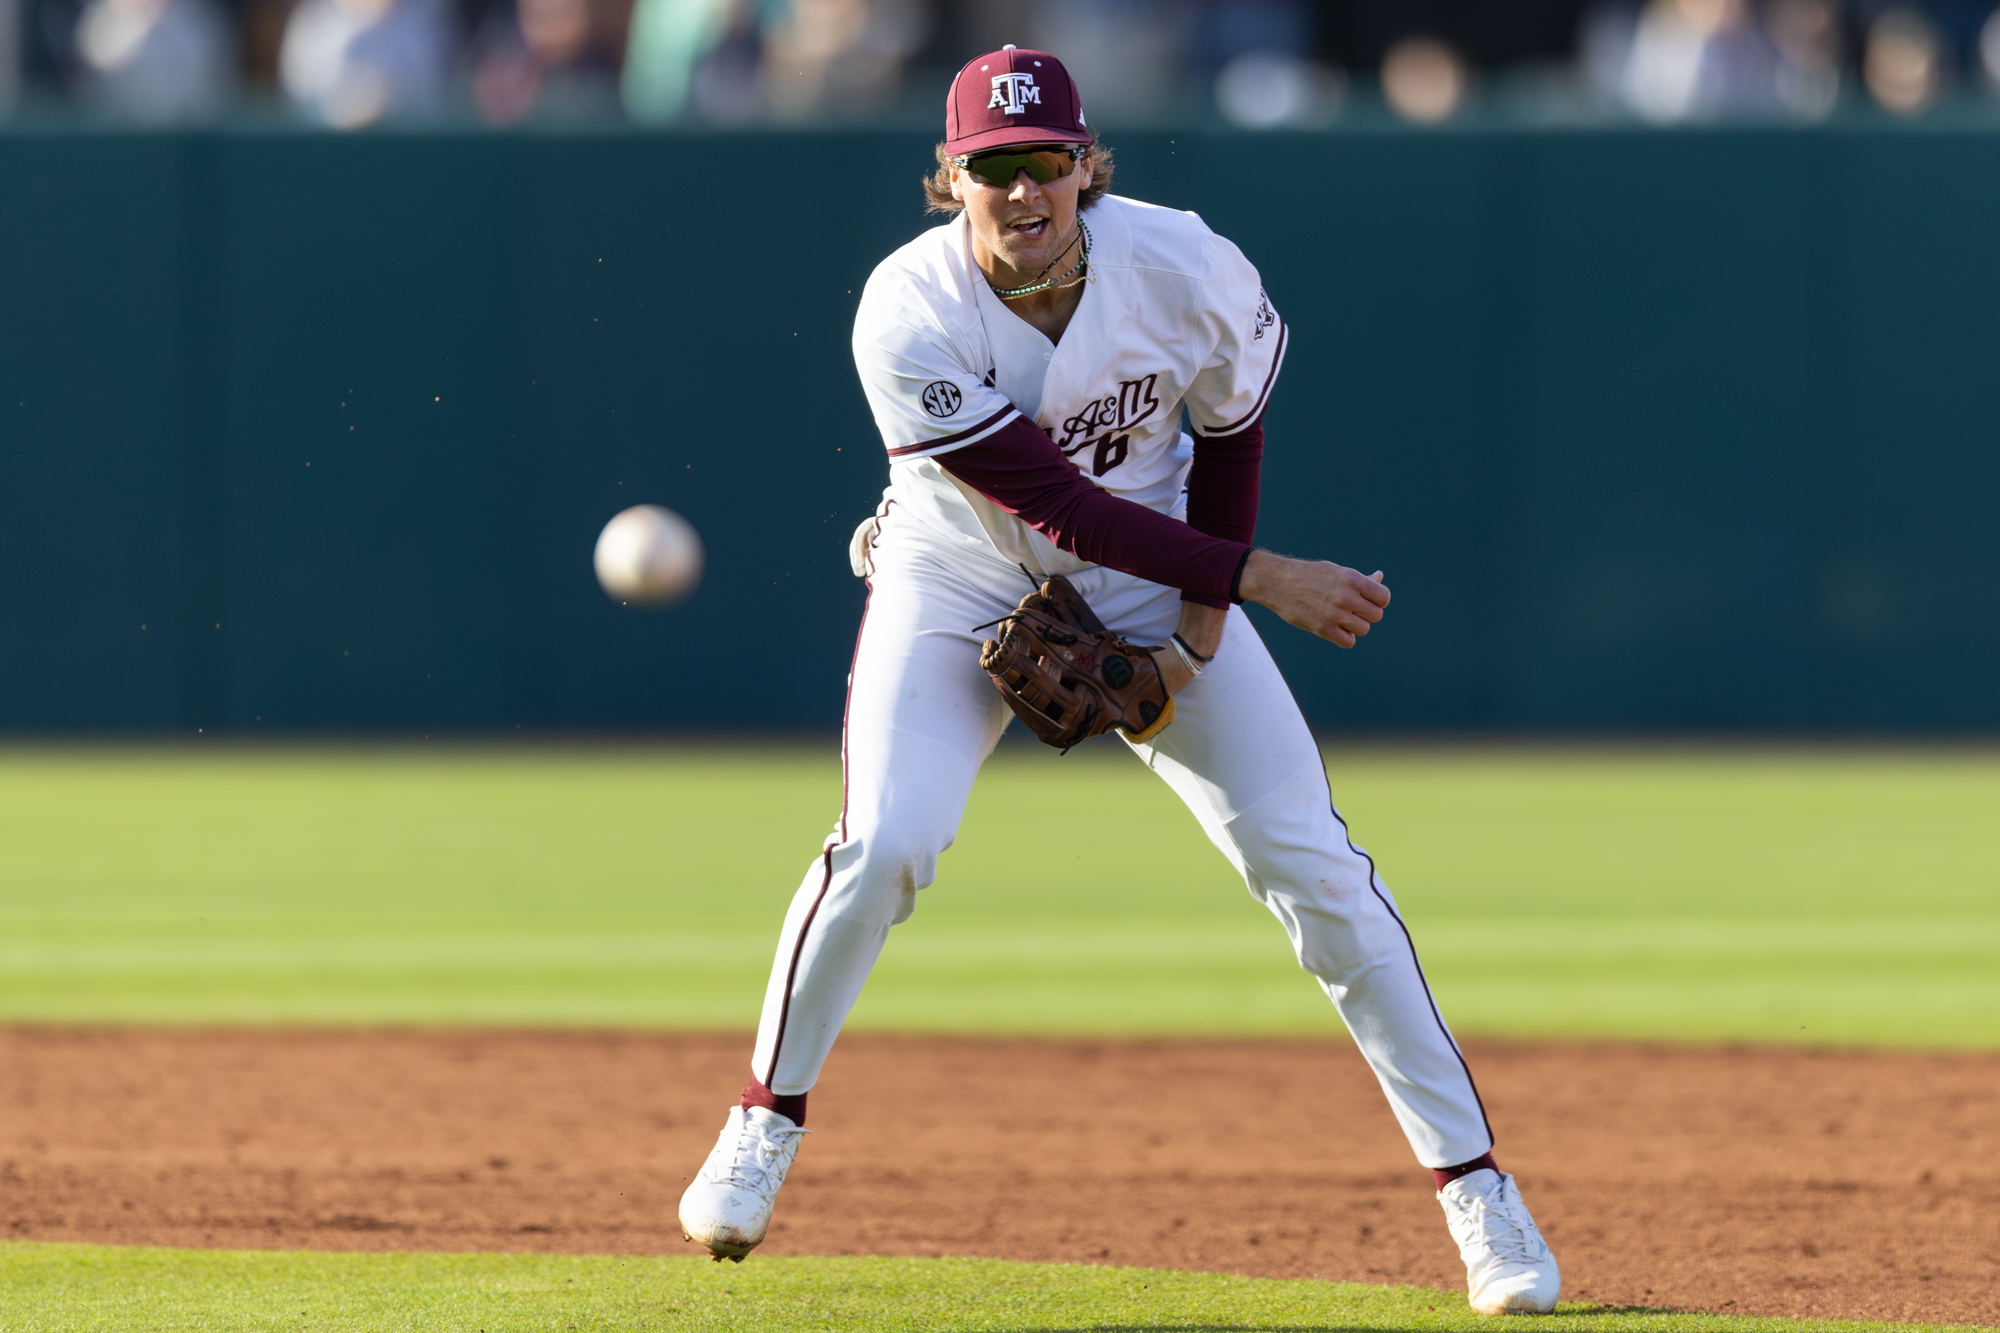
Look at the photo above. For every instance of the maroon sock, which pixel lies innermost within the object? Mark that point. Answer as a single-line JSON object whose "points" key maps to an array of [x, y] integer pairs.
{"points": [[1443, 1175], [792, 1106]]}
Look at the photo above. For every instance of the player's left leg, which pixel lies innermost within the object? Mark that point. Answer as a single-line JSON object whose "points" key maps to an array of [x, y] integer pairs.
{"points": [[1240, 755], [921, 719]]}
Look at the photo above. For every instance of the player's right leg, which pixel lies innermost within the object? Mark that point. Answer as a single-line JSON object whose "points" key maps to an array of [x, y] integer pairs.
{"points": [[1240, 755], [921, 718]]}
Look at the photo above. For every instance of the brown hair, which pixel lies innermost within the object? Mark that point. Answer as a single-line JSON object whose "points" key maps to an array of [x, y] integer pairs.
{"points": [[937, 185]]}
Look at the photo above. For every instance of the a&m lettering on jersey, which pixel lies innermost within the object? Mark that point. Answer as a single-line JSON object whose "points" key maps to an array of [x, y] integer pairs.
{"points": [[1013, 92], [1266, 316], [1101, 418]]}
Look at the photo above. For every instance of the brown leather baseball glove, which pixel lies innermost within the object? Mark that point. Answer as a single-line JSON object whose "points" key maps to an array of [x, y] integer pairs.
{"points": [[1069, 677]]}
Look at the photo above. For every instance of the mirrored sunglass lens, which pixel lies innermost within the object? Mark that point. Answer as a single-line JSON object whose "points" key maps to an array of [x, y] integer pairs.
{"points": [[1045, 167], [994, 171], [1000, 169]]}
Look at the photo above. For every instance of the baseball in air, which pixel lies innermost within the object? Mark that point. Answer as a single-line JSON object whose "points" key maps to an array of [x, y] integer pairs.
{"points": [[649, 555]]}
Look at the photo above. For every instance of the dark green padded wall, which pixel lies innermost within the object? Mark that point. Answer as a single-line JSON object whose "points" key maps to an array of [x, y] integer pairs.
{"points": [[1650, 430]]}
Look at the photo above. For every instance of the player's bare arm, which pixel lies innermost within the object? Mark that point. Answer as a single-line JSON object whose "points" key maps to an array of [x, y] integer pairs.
{"points": [[1320, 597], [1332, 601], [1201, 629]]}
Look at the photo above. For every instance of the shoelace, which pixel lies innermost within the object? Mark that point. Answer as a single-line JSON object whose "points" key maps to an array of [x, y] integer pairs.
{"points": [[1512, 1241], [757, 1149]]}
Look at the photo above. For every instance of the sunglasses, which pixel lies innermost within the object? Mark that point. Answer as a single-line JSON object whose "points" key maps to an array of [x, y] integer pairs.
{"points": [[1042, 165]]}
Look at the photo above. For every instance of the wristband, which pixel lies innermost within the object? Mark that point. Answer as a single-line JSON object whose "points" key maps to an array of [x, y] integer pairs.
{"points": [[1191, 659]]}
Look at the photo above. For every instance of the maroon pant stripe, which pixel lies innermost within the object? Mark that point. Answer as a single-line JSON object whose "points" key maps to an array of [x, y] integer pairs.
{"points": [[826, 857], [1415, 962]]}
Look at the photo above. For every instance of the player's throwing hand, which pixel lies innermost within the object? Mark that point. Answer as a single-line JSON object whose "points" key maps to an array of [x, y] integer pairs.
{"points": [[1332, 601]]}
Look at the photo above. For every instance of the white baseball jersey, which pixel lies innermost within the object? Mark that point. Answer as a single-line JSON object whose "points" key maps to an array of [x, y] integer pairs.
{"points": [[1175, 317], [1173, 314]]}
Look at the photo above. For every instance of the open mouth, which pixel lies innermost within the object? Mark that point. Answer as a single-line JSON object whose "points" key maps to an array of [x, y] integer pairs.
{"points": [[1032, 227]]}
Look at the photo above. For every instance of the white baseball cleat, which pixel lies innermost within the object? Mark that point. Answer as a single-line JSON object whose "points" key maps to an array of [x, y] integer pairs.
{"points": [[1508, 1266], [728, 1207]]}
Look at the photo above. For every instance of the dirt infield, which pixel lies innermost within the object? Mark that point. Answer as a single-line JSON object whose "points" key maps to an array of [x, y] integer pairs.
{"points": [[1783, 1182]]}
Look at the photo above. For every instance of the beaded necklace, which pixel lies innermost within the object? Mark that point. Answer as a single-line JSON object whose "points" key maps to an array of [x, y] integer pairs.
{"points": [[1067, 280]]}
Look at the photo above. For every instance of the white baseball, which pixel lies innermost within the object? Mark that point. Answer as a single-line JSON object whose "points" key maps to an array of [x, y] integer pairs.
{"points": [[649, 555]]}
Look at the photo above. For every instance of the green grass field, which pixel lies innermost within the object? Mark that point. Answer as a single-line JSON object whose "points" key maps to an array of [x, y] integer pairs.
{"points": [[1769, 895], [83, 1288]]}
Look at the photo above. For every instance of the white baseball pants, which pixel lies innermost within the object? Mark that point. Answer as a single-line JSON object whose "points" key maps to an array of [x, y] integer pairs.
{"points": [[921, 719]]}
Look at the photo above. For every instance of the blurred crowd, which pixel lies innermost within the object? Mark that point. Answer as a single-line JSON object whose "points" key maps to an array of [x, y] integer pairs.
{"points": [[1251, 63]]}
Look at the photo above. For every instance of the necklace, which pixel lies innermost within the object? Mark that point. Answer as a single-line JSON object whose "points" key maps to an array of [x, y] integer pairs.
{"points": [[1057, 284]]}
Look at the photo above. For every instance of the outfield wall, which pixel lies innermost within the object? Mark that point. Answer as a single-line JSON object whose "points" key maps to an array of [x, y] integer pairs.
{"points": [[1650, 430]]}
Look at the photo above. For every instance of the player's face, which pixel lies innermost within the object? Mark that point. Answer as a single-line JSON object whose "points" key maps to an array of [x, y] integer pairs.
{"points": [[1026, 223]]}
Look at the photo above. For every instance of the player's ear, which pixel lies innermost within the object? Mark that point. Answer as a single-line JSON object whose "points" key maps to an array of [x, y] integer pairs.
{"points": [[1085, 168], [956, 193]]}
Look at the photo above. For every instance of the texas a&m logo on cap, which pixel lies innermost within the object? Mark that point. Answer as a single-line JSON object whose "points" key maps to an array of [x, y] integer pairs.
{"points": [[1012, 93], [1011, 96]]}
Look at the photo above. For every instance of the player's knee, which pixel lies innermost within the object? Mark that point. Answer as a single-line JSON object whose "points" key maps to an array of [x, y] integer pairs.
{"points": [[1345, 964], [1311, 883], [1338, 936], [880, 879]]}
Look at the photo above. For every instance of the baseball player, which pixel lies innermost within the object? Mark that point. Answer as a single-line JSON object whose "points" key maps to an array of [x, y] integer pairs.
{"points": [[1028, 363]]}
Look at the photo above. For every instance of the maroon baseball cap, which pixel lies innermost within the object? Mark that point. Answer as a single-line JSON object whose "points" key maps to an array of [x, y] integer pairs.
{"points": [[1012, 96]]}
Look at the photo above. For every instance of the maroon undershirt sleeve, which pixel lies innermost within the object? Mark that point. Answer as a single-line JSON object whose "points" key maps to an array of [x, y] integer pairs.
{"points": [[1020, 469], [1222, 489]]}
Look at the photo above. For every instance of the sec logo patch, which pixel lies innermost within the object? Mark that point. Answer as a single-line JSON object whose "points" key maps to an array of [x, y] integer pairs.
{"points": [[941, 399]]}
